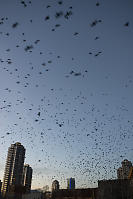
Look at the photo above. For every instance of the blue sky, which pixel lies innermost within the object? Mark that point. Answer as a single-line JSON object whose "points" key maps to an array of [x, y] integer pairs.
{"points": [[84, 97]]}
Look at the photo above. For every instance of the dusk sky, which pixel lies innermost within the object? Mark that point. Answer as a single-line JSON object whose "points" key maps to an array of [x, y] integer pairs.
{"points": [[66, 87]]}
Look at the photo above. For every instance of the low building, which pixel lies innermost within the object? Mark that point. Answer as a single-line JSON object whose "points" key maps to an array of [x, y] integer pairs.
{"points": [[15, 192], [115, 189], [48, 195], [89, 193], [33, 195]]}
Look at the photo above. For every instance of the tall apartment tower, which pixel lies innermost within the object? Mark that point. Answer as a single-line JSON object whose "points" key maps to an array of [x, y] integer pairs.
{"points": [[0, 186], [27, 177], [14, 166], [71, 183], [123, 172]]}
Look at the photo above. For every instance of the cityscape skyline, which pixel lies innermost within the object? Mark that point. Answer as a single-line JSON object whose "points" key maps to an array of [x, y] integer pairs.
{"points": [[19, 174], [66, 81]]}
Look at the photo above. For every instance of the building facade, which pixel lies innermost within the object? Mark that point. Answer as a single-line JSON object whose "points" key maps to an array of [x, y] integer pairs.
{"points": [[14, 167], [55, 185], [123, 172], [115, 189], [89, 193], [0, 187], [27, 177], [33, 195], [130, 176], [71, 183]]}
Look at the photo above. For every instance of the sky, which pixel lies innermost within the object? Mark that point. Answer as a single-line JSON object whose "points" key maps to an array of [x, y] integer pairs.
{"points": [[66, 82]]}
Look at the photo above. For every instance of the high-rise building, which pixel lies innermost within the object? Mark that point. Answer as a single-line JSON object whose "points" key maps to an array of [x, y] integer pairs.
{"points": [[123, 172], [130, 176], [0, 186], [119, 173], [55, 185], [27, 177], [71, 183], [14, 166]]}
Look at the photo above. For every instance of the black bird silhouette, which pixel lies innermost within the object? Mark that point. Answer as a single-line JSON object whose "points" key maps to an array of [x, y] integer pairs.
{"points": [[97, 4], [37, 41], [38, 113], [15, 25], [27, 48], [77, 74], [60, 2], [47, 18], [97, 54], [48, 6], [96, 38], [68, 14], [126, 24], [76, 33], [58, 14], [57, 25], [95, 22], [23, 2]]}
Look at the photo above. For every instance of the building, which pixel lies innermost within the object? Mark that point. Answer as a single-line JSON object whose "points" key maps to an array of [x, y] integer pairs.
{"points": [[0, 188], [120, 173], [71, 183], [34, 194], [14, 167], [126, 166], [89, 193], [130, 176], [123, 172], [27, 177], [55, 185], [15, 192], [48, 194], [115, 189]]}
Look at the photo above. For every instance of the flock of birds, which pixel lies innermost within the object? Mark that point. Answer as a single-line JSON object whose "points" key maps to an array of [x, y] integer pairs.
{"points": [[68, 132]]}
